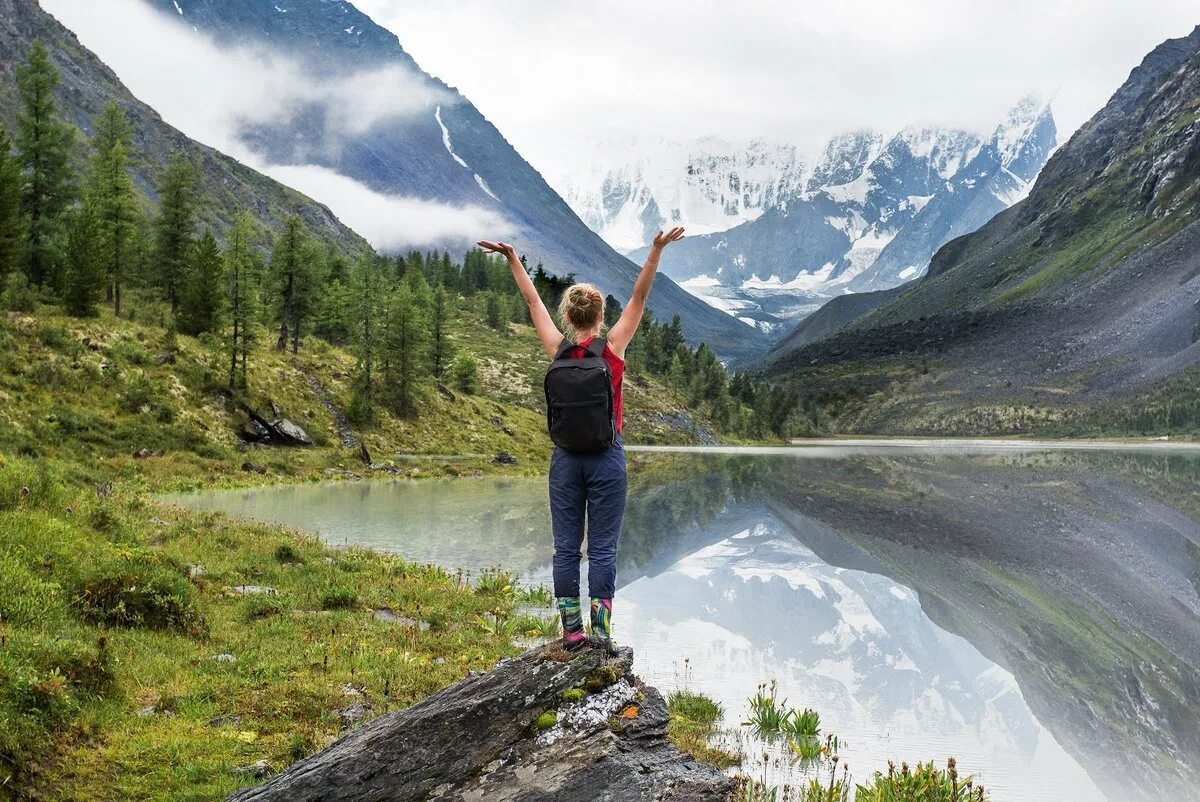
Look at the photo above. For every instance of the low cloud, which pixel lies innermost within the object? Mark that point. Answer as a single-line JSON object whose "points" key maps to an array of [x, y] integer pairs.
{"points": [[390, 222], [213, 93]]}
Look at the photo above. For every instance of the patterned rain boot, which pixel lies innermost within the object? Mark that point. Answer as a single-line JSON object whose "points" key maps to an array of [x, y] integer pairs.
{"points": [[571, 612], [602, 624]]}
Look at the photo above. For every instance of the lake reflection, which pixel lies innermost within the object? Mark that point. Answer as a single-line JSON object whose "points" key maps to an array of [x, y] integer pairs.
{"points": [[1036, 614]]}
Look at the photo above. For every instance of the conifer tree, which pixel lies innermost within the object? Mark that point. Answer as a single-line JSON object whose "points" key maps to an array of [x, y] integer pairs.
{"points": [[201, 296], [365, 325], [407, 340], [240, 298], [84, 274], [288, 262], [111, 193], [174, 228], [308, 287], [439, 345], [612, 311], [44, 144], [494, 310], [10, 208]]}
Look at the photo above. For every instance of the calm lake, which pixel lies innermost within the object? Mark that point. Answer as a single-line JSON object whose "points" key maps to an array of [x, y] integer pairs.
{"points": [[1033, 612]]}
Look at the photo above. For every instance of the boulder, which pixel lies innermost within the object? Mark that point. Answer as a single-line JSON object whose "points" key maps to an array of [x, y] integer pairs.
{"points": [[289, 433], [504, 458], [479, 740]]}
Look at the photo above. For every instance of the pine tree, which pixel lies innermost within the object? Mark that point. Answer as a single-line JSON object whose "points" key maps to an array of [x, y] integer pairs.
{"points": [[10, 208], [84, 276], [174, 228], [240, 298], [365, 312], [287, 263], [309, 283], [407, 340], [110, 190], [44, 143], [200, 294], [612, 311], [494, 310], [439, 345], [464, 373]]}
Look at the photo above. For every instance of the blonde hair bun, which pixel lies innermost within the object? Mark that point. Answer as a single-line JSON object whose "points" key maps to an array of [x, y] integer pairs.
{"points": [[581, 310]]}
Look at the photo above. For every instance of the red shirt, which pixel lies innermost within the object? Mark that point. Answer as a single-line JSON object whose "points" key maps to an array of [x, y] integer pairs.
{"points": [[616, 366]]}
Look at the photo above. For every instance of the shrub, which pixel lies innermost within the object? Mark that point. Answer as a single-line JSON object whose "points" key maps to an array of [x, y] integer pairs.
{"points": [[19, 295], [496, 583], [262, 606], [464, 374], [53, 335], [23, 595], [339, 598], [287, 553], [139, 393], [925, 783], [695, 707], [136, 591]]}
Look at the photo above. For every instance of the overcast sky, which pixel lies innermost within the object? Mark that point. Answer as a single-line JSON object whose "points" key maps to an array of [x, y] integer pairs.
{"points": [[553, 75]]}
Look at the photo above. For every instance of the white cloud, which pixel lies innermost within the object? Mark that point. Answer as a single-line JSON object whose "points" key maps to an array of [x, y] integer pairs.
{"points": [[555, 76], [389, 222], [211, 92]]}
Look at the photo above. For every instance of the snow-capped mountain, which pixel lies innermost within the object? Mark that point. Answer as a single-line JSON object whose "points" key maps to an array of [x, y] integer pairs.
{"points": [[710, 184], [868, 212], [1000, 174]]}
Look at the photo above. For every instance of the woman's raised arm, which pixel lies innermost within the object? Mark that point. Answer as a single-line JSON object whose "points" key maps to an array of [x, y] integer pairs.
{"points": [[547, 332], [623, 330]]}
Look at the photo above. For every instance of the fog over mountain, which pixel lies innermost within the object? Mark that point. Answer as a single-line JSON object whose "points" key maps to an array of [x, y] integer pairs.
{"points": [[315, 93], [215, 93]]}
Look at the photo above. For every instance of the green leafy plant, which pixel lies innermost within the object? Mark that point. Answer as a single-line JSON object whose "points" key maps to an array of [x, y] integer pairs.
{"points": [[924, 783]]}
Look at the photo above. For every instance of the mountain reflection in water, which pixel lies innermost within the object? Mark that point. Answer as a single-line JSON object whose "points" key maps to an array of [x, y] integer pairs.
{"points": [[1034, 614]]}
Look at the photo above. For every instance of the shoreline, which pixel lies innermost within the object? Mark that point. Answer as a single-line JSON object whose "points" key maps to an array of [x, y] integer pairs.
{"points": [[800, 445]]}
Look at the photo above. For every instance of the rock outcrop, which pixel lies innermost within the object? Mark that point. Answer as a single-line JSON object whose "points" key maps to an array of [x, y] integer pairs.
{"points": [[539, 727]]}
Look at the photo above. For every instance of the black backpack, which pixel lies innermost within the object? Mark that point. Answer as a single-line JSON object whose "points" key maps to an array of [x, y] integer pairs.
{"points": [[579, 399]]}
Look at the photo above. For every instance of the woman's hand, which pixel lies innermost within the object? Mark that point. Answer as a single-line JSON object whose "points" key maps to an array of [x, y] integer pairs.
{"points": [[662, 240], [500, 247]]}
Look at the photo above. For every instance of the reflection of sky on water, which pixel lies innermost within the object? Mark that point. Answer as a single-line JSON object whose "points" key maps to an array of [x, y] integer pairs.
{"points": [[759, 605], [734, 590]]}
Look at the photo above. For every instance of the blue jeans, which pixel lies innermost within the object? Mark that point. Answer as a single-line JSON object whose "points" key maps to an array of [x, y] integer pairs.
{"points": [[591, 485]]}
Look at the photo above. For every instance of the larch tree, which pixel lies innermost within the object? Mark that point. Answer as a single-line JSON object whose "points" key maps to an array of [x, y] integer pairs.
{"points": [[175, 227], [241, 299], [287, 262], [44, 145], [84, 274], [308, 286], [111, 193], [369, 286], [201, 294], [11, 230], [407, 340], [439, 344]]}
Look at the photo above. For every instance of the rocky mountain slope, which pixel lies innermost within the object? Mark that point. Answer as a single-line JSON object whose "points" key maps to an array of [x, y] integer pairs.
{"points": [[86, 85], [419, 139], [866, 213], [1081, 297]]}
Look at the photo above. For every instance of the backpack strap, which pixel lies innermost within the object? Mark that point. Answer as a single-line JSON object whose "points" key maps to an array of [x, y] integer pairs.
{"points": [[563, 347], [595, 347]]}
